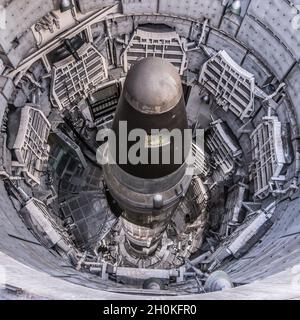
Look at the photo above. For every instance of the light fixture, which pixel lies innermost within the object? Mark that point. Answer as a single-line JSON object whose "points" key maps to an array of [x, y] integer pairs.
{"points": [[236, 7], [66, 5]]}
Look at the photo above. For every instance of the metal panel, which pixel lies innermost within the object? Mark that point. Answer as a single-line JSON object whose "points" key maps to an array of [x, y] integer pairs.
{"points": [[219, 41], [195, 9], [20, 16], [180, 25], [232, 219], [139, 6], [6, 87], [269, 48], [261, 73], [91, 5], [280, 17], [3, 104], [230, 24], [44, 225], [293, 89]]}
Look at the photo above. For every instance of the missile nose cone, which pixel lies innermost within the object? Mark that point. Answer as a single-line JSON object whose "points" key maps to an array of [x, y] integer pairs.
{"points": [[152, 99], [153, 86]]}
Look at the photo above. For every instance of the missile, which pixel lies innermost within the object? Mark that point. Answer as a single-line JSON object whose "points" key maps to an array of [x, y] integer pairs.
{"points": [[152, 109]]}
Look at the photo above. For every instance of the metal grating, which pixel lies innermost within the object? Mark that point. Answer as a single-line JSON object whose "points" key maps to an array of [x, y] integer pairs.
{"points": [[103, 103], [232, 85], [267, 157], [201, 194], [155, 43], [85, 216], [75, 80], [200, 162], [226, 153]]}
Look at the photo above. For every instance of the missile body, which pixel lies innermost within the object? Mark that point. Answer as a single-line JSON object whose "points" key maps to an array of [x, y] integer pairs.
{"points": [[149, 192]]}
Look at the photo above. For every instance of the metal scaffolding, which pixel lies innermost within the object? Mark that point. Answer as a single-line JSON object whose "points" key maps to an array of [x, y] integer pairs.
{"points": [[267, 157], [226, 153], [74, 80], [30, 147], [232, 85], [161, 44]]}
